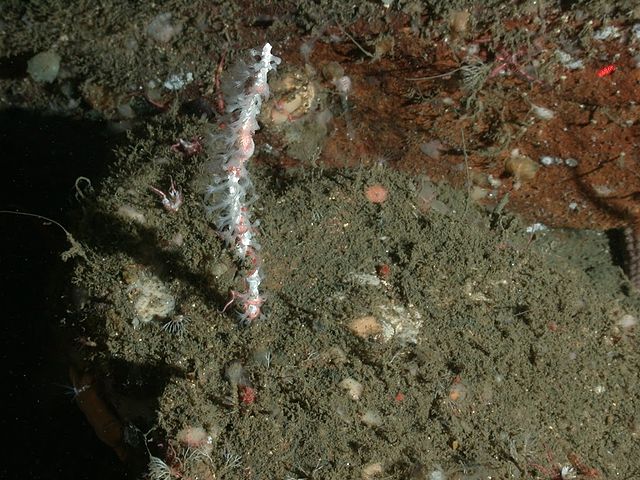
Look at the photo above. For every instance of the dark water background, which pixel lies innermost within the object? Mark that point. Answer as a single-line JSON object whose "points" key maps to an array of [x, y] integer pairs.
{"points": [[47, 435]]}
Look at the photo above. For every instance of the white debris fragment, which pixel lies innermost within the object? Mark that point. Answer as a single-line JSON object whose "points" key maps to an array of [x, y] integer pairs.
{"points": [[177, 81], [603, 190], [548, 160], [542, 112], [400, 322], [568, 472], [607, 33], [353, 388], [568, 61], [536, 227], [365, 279], [493, 181], [151, 299]]}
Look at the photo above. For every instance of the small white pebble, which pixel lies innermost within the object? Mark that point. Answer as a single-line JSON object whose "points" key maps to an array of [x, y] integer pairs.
{"points": [[371, 418], [603, 190], [627, 322], [372, 470], [353, 388], [44, 66], [177, 239], [542, 112], [548, 160], [437, 474], [571, 162]]}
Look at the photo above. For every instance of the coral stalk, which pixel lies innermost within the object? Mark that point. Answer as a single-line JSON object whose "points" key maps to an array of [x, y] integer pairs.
{"points": [[229, 191]]}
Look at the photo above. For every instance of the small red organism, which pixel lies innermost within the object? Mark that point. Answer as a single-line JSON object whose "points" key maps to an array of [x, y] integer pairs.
{"points": [[507, 62], [583, 470], [576, 469], [216, 81], [247, 394], [384, 271], [172, 200], [399, 397], [376, 193], [608, 70]]}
